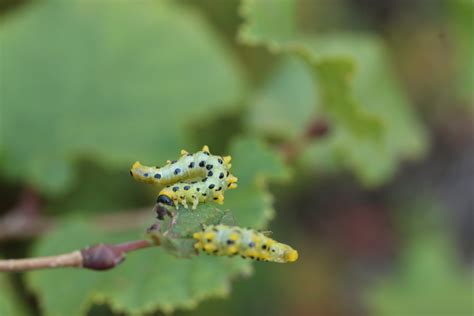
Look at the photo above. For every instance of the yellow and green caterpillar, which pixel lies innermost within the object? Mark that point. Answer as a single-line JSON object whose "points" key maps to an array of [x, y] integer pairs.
{"points": [[225, 240], [193, 178]]}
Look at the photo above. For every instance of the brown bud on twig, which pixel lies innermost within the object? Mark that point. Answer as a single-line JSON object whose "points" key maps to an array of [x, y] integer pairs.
{"points": [[101, 257]]}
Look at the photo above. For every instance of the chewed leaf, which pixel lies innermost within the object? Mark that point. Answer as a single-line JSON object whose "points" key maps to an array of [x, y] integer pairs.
{"points": [[176, 231]]}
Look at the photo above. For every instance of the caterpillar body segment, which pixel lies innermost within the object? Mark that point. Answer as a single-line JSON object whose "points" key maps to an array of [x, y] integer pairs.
{"points": [[222, 240], [190, 180]]}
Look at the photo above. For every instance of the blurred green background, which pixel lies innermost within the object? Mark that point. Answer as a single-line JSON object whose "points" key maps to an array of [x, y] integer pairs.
{"points": [[350, 123]]}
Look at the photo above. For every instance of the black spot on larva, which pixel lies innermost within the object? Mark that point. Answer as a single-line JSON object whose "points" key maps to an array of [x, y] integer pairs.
{"points": [[273, 250], [182, 197], [216, 251], [218, 189], [264, 247], [157, 167], [209, 240], [209, 174], [206, 153], [209, 167], [215, 229], [193, 182], [158, 176], [186, 187], [229, 184], [258, 259], [145, 174], [175, 189], [177, 171], [204, 180], [219, 160], [198, 189], [202, 163], [252, 257], [230, 242], [189, 155], [227, 173], [131, 173], [243, 257], [251, 244], [193, 196], [216, 198], [174, 161], [191, 165], [211, 186], [221, 175], [204, 194]]}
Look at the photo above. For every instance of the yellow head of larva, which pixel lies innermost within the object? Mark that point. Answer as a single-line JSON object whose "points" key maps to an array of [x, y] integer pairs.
{"points": [[291, 255]]}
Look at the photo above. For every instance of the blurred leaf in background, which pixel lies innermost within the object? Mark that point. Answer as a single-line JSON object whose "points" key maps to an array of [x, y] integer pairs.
{"points": [[429, 279], [373, 126], [112, 84]]}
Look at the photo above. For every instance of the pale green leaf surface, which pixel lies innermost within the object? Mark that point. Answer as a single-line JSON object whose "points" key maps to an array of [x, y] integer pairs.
{"points": [[154, 279], [117, 82], [372, 125], [286, 103], [253, 162]]}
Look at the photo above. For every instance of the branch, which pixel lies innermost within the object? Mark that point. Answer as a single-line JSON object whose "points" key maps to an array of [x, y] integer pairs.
{"points": [[97, 257]]}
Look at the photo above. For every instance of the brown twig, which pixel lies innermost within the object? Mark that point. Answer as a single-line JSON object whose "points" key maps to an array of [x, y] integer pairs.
{"points": [[98, 257]]}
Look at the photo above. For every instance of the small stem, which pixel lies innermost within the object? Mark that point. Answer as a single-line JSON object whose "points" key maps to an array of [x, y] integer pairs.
{"points": [[72, 259], [98, 257]]}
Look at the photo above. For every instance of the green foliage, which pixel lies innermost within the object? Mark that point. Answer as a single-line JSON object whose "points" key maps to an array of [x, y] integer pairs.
{"points": [[428, 281], [461, 20], [155, 279], [89, 87], [370, 118], [10, 305], [114, 74]]}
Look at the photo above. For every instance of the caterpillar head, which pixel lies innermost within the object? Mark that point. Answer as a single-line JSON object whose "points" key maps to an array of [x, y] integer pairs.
{"points": [[167, 197], [141, 173], [282, 253]]}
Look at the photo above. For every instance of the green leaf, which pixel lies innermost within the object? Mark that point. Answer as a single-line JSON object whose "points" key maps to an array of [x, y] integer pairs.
{"points": [[10, 305], [154, 279], [274, 26], [253, 162], [290, 85], [176, 233], [372, 125], [113, 84]]}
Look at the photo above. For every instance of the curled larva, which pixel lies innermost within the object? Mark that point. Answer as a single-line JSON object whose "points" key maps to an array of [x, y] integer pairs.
{"points": [[222, 240], [193, 178]]}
